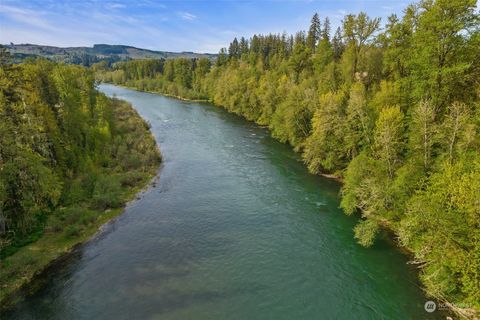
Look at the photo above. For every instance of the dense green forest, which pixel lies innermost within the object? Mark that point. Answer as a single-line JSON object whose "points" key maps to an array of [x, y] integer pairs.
{"points": [[87, 56], [392, 109], [68, 154]]}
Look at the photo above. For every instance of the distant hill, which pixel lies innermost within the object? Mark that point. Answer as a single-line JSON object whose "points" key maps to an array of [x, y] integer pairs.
{"points": [[99, 52]]}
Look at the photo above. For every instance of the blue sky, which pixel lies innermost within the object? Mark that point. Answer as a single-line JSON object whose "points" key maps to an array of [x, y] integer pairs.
{"points": [[201, 26]]}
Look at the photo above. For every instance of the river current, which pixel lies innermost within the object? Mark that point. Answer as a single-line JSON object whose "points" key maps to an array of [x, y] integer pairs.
{"points": [[234, 228]]}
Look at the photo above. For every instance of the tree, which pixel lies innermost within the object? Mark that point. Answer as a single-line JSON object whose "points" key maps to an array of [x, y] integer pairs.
{"points": [[234, 49], [337, 44], [357, 30], [324, 52], [389, 138], [292, 119], [314, 33], [183, 72], [243, 46], [438, 227], [358, 126], [397, 41], [441, 66], [203, 66], [422, 132], [364, 189], [395, 114], [169, 70], [457, 131], [300, 58], [222, 58], [325, 32], [323, 148]]}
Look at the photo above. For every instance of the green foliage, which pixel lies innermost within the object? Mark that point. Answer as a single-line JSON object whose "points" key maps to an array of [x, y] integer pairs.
{"points": [[358, 121], [63, 145], [441, 226], [359, 176], [395, 113], [388, 138], [366, 231], [471, 272], [423, 130], [357, 31], [106, 193], [321, 150], [72, 231]]}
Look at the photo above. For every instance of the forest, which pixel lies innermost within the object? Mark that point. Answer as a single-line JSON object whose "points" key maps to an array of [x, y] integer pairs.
{"points": [[391, 108], [69, 155]]}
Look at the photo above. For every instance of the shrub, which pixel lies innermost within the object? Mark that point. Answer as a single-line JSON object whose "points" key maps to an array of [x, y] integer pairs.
{"points": [[72, 231], [107, 193], [131, 179]]}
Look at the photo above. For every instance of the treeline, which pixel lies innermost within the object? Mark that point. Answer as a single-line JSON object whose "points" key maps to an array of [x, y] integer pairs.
{"points": [[181, 77], [393, 110], [67, 152]]}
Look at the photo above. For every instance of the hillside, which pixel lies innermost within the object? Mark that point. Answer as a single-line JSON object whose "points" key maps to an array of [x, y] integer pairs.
{"points": [[70, 159], [88, 55]]}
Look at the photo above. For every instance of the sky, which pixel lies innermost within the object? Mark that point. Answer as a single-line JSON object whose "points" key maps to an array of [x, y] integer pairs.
{"points": [[168, 25]]}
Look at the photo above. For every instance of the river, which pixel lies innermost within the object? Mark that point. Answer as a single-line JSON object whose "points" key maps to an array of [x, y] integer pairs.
{"points": [[234, 228]]}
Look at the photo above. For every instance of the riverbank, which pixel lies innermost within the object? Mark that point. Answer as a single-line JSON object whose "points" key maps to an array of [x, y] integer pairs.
{"points": [[164, 94], [70, 226], [464, 313], [335, 177], [235, 225]]}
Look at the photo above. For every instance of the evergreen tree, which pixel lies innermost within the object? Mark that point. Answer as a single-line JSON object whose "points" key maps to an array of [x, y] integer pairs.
{"points": [[314, 33], [234, 49], [395, 114], [337, 44]]}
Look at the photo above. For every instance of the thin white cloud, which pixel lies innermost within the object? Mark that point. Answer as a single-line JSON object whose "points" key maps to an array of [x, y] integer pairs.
{"points": [[25, 16], [115, 6], [101, 17], [151, 4], [64, 39], [152, 24], [187, 16]]}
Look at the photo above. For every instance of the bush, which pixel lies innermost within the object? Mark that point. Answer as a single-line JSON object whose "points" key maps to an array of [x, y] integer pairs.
{"points": [[87, 217], [55, 224], [72, 231], [131, 179], [72, 215], [107, 193], [132, 162], [366, 232], [79, 189]]}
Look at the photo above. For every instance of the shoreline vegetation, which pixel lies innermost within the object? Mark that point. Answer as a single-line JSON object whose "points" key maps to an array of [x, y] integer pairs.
{"points": [[164, 94], [386, 227], [89, 155], [391, 110]]}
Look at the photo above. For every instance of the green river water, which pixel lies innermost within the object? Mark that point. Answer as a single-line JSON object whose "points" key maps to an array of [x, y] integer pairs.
{"points": [[235, 228]]}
